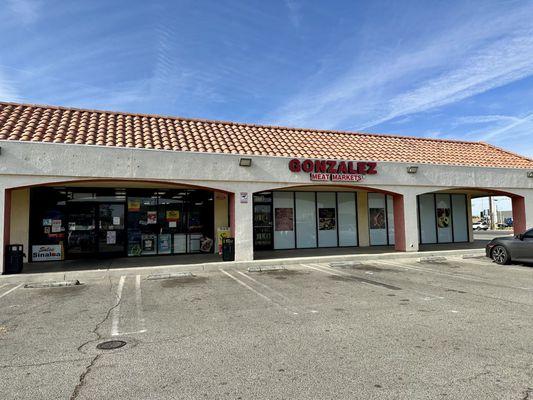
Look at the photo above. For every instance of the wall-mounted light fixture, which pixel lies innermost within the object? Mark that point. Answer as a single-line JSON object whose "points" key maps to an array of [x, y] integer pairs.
{"points": [[245, 162], [530, 174], [412, 170]]}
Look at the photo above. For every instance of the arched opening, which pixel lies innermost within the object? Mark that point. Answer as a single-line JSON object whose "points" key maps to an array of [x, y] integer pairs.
{"points": [[326, 219], [451, 216], [95, 219]]}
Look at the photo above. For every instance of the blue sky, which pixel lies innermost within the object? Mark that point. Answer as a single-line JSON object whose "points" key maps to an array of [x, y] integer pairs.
{"points": [[444, 69]]}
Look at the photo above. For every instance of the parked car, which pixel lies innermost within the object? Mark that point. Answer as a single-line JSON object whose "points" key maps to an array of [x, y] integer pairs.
{"points": [[480, 226], [503, 250]]}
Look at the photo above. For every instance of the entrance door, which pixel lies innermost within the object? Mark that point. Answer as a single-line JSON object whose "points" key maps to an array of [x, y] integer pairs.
{"points": [[263, 226], [81, 236], [111, 229]]}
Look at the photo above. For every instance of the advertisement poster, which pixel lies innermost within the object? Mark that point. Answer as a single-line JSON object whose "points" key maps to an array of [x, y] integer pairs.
{"points": [[148, 243], [164, 243], [206, 244], [47, 222], [443, 217], [116, 220], [284, 219], [151, 217], [111, 237], [222, 232], [377, 218], [326, 219], [173, 215], [46, 252], [172, 224], [134, 205], [56, 225]]}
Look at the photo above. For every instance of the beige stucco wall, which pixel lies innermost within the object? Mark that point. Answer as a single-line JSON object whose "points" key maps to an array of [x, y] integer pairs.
{"points": [[39, 163], [221, 213], [20, 218]]}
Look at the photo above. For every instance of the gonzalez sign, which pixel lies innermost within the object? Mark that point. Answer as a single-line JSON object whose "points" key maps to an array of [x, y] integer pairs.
{"points": [[331, 170]]}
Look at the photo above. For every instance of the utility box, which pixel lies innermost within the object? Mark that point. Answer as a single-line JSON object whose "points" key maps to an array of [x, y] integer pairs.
{"points": [[14, 259], [228, 249]]}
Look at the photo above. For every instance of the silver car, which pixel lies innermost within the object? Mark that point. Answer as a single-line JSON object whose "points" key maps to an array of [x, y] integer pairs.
{"points": [[503, 250]]}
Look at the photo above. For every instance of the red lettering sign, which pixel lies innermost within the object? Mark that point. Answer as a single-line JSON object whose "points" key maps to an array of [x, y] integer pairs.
{"points": [[336, 171]]}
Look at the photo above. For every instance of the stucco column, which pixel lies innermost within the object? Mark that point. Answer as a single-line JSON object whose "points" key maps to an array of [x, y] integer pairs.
{"points": [[519, 214], [406, 222], [241, 218], [5, 200]]}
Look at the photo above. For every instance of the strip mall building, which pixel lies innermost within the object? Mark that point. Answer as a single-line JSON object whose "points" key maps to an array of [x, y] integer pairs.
{"points": [[81, 183]]}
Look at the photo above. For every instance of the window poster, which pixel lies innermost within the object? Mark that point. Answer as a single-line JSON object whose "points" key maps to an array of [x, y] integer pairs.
{"points": [[206, 244], [377, 218], [134, 205], [116, 220], [172, 224], [47, 222], [148, 243], [56, 225], [111, 237], [164, 243], [326, 219], [151, 217], [443, 217], [284, 218], [173, 215]]}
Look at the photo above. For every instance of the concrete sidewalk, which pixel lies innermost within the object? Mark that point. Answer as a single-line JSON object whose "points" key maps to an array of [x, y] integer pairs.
{"points": [[139, 269]]}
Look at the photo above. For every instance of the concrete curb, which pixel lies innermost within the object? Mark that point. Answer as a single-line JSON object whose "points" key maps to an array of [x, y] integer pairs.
{"points": [[100, 274]]}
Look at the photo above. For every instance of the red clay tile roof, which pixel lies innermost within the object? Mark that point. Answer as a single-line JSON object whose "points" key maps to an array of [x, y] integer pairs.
{"points": [[37, 123]]}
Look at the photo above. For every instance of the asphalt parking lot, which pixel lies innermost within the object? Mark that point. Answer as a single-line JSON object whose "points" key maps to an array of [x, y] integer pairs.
{"points": [[460, 329]]}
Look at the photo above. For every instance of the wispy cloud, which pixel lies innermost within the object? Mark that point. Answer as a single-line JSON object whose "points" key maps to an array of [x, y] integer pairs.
{"points": [[476, 55], [7, 89], [26, 11], [294, 12]]}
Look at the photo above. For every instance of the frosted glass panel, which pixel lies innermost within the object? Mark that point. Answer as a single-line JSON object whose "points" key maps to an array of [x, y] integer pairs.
{"points": [[459, 214], [390, 218], [347, 219], [305, 219], [377, 219], [444, 218], [428, 226], [283, 203], [327, 219]]}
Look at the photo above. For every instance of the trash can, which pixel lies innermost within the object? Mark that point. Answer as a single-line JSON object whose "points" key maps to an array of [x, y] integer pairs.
{"points": [[14, 258], [228, 249]]}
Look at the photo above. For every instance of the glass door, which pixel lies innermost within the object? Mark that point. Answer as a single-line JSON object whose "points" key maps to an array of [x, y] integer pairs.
{"points": [[263, 226], [81, 237], [111, 229]]}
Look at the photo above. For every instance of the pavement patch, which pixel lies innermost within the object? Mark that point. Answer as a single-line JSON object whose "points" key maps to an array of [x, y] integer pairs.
{"points": [[42, 285], [267, 268], [343, 278], [175, 275], [432, 259], [344, 264]]}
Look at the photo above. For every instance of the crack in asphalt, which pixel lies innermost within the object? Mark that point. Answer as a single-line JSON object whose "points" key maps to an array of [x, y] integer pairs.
{"points": [[95, 331], [527, 393], [40, 364]]}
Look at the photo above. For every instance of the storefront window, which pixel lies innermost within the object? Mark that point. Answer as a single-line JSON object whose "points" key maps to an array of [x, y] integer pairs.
{"points": [[327, 219], [442, 218], [347, 203], [305, 220]]}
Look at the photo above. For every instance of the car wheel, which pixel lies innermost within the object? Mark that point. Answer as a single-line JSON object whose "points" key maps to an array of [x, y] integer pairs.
{"points": [[500, 255]]}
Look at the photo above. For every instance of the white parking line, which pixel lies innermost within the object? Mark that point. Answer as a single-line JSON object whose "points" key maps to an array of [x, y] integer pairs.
{"points": [[116, 310], [10, 290], [251, 289], [263, 285], [138, 304]]}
